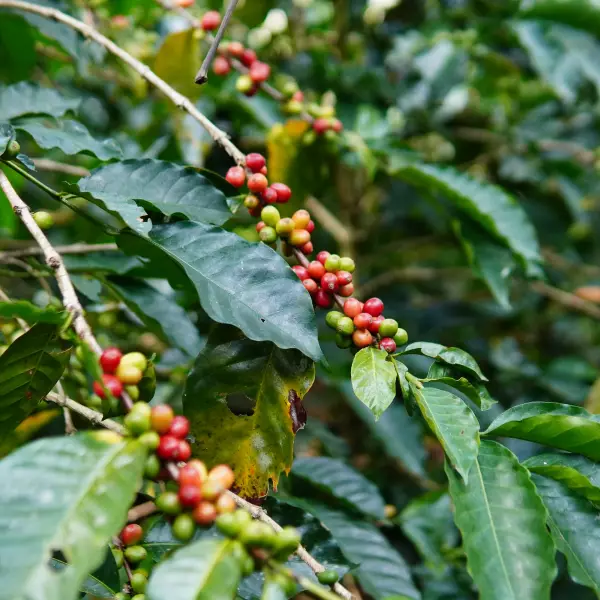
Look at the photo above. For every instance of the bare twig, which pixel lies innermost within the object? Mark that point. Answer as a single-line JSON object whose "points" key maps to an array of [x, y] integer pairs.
{"points": [[46, 164], [566, 299], [141, 510], [70, 249]]}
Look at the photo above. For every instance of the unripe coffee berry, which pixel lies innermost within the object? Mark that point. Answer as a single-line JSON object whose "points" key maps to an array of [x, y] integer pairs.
{"points": [[345, 326], [352, 307], [284, 227], [332, 263], [332, 318], [184, 527], [362, 338], [222, 474], [270, 215], [12, 151], [311, 286], [343, 277], [133, 391], [43, 219], [138, 582], [168, 447], [328, 577], [307, 248], [257, 183], [255, 162], [347, 264], [301, 271], [363, 320], [388, 344], [161, 418], [259, 71], [329, 282], [301, 218], [135, 554], [204, 514], [129, 375], [110, 359], [189, 495], [388, 328], [343, 341], [221, 66], [137, 422], [180, 427], [184, 451], [323, 299], [135, 359], [323, 256], [112, 384], [225, 504], [346, 290], [210, 20], [251, 201], [316, 270], [248, 57], [168, 502], [236, 176], [373, 306], [284, 193], [401, 337], [268, 235], [299, 237], [152, 467], [376, 323], [131, 534], [244, 85], [269, 196]]}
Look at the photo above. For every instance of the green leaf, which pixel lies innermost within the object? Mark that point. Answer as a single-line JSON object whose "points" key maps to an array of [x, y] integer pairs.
{"points": [[7, 135], [502, 521], [103, 583], [70, 137], [243, 284], [576, 472], [494, 209], [474, 391], [31, 313], [84, 485], [29, 369], [160, 312], [374, 379], [454, 357], [454, 425], [584, 14], [427, 522], [556, 425], [257, 446], [342, 482], [204, 570], [573, 523], [126, 187], [110, 262], [272, 590], [25, 98]]}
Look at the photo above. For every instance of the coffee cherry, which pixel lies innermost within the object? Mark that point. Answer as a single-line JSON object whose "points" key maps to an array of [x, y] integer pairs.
{"points": [[332, 318], [401, 337], [139, 597], [210, 20], [337, 125], [184, 3], [135, 359], [257, 183], [268, 235], [152, 467], [236, 176], [343, 277], [184, 527], [373, 306], [135, 554], [133, 392], [388, 344], [328, 577], [248, 57], [121, 595], [221, 66], [225, 504], [345, 326], [168, 447], [228, 524], [180, 427], [189, 495], [138, 582], [131, 534], [12, 151], [235, 49], [284, 227], [346, 290], [259, 71], [342, 341], [112, 384], [287, 541], [352, 307], [388, 328], [299, 237], [204, 514], [138, 421], [284, 193], [255, 162], [347, 264], [363, 320], [311, 286], [307, 248], [316, 269], [301, 271], [330, 283], [323, 299], [258, 535], [255, 212], [223, 475], [128, 375], [110, 359], [43, 219], [323, 256], [301, 218], [96, 403], [251, 202], [189, 476], [161, 418], [200, 468], [264, 170], [362, 338], [211, 490], [184, 451], [332, 263], [320, 126], [311, 226], [168, 502], [376, 323], [269, 196], [270, 215], [244, 85]]}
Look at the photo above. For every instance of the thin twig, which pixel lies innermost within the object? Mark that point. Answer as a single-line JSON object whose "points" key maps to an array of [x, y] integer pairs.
{"points": [[46, 164], [140, 511], [566, 299], [70, 249], [69, 426]]}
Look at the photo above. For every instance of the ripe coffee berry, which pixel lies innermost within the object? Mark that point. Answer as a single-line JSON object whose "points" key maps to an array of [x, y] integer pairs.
{"points": [[188, 475], [336, 125], [184, 451], [235, 49], [210, 20], [301, 271], [323, 299], [301, 218], [111, 383], [255, 162], [352, 307], [363, 320], [299, 237], [131, 534], [110, 359], [260, 225], [223, 475], [374, 306], [225, 504], [388, 328], [204, 514], [189, 495], [257, 183], [270, 215], [376, 323], [161, 418], [388, 344], [346, 290], [221, 66], [269, 196], [307, 248], [264, 170], [343, 277], [316, 269], [200, 468], [248, 57], [323, 256], [332, 263], [320, 126], [236, 176], [180, 427], [362, 338], [168, 447], [283, 192], [259, 71], [311, 226], [311, 286], [329, 282]]}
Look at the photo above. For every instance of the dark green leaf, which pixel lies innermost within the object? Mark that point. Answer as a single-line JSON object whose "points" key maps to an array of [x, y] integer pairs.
{"points": [[374, 379], [111, 262], [557, 425], [7, 134], [584, 14], [31, 313], [204, 570], [502, 520], [70, 137], [29, 369], [453, 423], [342, 482], [454, 357], [573, 523], [489, 205], [84, 485], [25, 98]]}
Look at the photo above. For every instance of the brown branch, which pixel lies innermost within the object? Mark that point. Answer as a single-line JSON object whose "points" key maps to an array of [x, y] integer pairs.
{"points": [[70, 249], [566, 299], [46, 164], [140, 511]]}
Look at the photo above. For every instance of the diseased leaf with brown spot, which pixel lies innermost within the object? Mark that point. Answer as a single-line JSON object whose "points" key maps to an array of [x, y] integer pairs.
{"points": [[258, 446]]}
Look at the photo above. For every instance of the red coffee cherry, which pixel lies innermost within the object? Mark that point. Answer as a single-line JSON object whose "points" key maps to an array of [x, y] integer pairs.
{"points": [[235, 49], [362, 338], [236, 176], [180, 427], [307, 248], [131, 534], [184, 451], [316, 269], [323, 299], [323, 256], [264, 170], [168, 447], [388, 344], [190, 495], [298, 96], [210, 20], [374, 306], [329, 282], [375, 323], [301, 271], [255, 162], [205, 513], [311, 286], [269, 195], [257, 183], [346, 290], [189, 475], [248, 57], [320, 126], [110, 359], [112, 384], [311, 226], [363, 320], [352, 307], [260, 225], [161, 418], [259, 71], [336, 125], [343, 277], [284, 193], [221, 66]]}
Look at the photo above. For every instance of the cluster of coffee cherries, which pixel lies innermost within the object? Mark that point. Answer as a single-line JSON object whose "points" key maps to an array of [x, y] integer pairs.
{"points": [[134, 554], [295, 231]]}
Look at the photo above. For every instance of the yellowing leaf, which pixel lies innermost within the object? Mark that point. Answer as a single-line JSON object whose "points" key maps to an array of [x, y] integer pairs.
{"points": [[283, 142], [178, 60]]}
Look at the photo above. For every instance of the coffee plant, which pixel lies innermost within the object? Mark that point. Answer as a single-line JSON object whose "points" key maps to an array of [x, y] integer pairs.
{"points": [[223, 227]]}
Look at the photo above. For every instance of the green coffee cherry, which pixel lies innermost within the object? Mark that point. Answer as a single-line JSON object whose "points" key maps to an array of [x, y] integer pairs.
{"points": [[332, 263], [332, 318], [121, 596], [150, 440], [270, 215], [401, 337], [152, 467], [347, 264], [345, 326], [288, 540], [139, 582], [293, 107], [134, 359], [285, 226], [139, 597], [184, 527], [388, 328], [328, 577], [343, 341], [244, 84], [259, 535], [248, 566], [135, 554], [43, 219], [289, 88], [228, 524], [95, 402], [168, 502], [287, 584], [133, 391], [12, 150], [268, 235], [137, 422]]}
